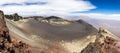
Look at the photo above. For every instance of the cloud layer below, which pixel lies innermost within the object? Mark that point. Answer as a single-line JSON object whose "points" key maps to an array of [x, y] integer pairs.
{"points": [[103, 16]]}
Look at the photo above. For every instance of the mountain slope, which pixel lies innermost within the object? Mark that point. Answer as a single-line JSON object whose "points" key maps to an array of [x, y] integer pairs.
{"points": [[53, 31], [111, 25], [48, 33]]}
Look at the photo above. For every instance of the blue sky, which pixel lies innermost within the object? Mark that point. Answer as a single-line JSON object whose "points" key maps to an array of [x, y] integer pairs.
{"points": [[100, 9], [104, 6]]}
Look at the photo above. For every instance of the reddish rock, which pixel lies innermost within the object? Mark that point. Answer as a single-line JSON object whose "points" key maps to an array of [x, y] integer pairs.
{"points": [[105, 43], [7, 45]]}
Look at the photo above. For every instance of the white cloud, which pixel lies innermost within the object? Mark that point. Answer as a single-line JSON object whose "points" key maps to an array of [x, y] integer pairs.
{"points": [[52, 7]]}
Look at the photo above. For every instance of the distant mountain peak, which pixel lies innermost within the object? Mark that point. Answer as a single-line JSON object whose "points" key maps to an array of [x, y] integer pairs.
{"points": [[53, 17]]}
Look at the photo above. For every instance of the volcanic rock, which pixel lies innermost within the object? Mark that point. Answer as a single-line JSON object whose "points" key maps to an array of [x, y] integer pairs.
{"points": [[14, 17], [105, 42]]}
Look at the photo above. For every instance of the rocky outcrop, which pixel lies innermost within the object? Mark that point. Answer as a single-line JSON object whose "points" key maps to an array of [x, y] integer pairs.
{"points": [[105, 42], [7, 43], [14, 17]]}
